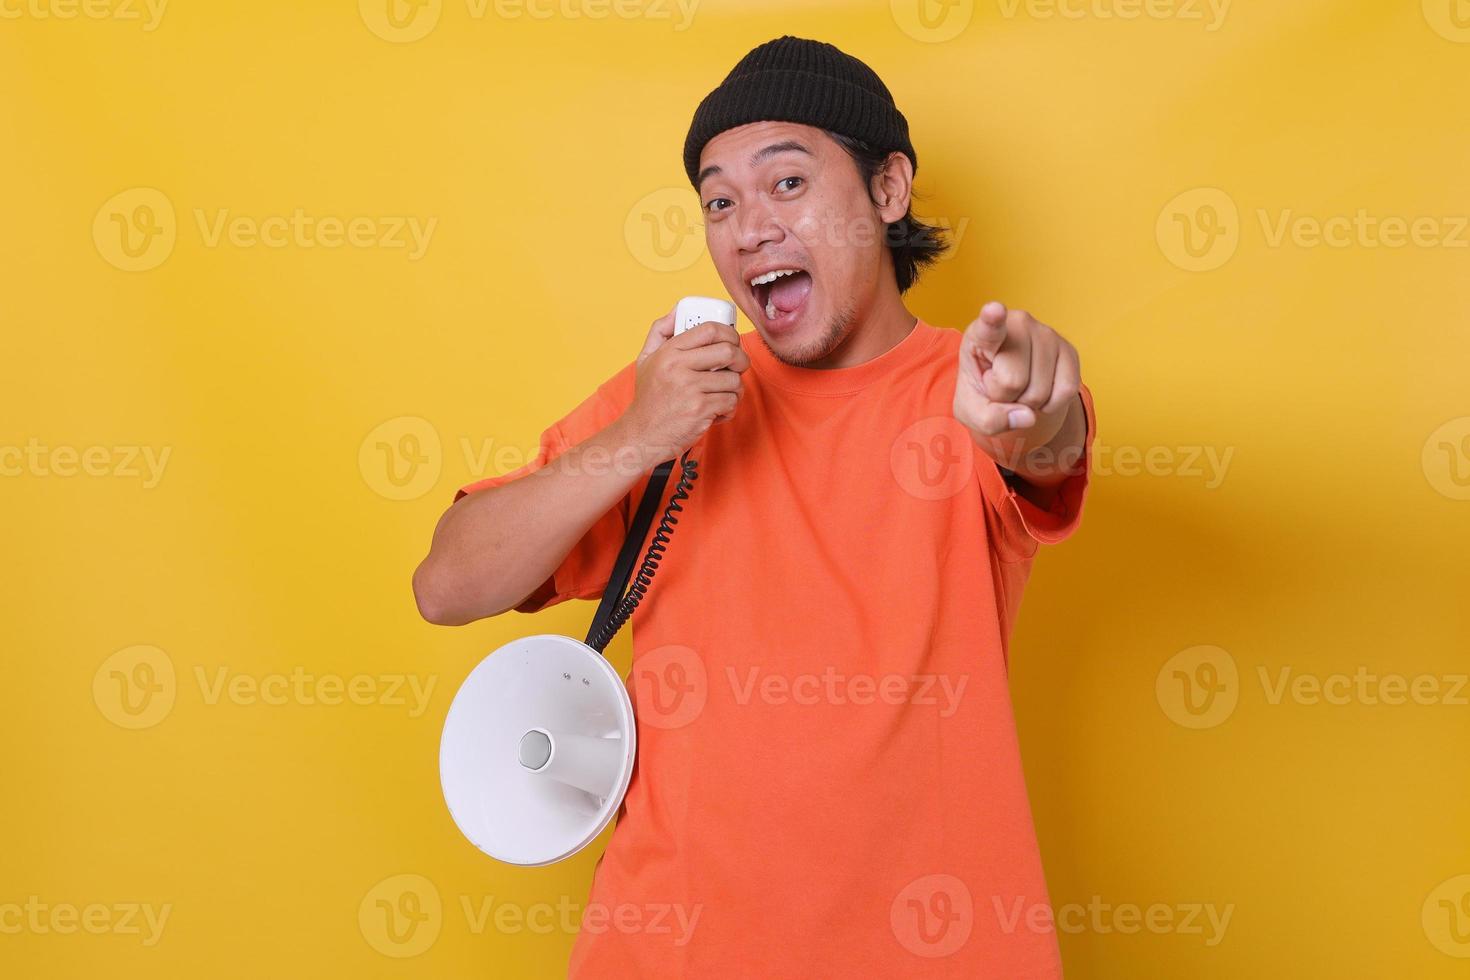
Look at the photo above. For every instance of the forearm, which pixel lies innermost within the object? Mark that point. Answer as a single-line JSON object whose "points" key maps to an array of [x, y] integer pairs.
{"points": [[492, 548]]}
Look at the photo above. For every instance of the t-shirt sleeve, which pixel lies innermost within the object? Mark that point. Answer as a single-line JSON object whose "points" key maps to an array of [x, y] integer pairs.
{"points": [[584, 572], [1020, 526]]}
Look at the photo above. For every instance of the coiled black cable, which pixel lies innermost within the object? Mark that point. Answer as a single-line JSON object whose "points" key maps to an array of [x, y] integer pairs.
{"points": [[601, 636]]}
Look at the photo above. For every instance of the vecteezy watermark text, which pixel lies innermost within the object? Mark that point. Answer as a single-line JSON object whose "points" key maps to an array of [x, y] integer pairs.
{"points": [[40, 918], [406, 21], [136, 230], [148, 12], [1211, 13], [37, 459], [834, 687], [1204, 919], [404, 914]]}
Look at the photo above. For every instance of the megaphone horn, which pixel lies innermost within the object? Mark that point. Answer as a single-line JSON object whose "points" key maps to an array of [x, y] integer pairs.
{"points": [[538, 750], [588, 763]]}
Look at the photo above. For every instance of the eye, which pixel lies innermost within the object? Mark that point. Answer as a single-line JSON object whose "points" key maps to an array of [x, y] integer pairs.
{"points": [[710, 208], [785, 179]]}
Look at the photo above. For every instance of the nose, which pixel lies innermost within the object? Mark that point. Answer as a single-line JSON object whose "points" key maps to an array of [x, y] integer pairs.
{"points": [[758, 226]]}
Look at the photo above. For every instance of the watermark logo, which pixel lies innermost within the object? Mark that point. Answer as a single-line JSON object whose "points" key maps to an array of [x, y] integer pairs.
{"points": [[933, 916], [932, 21], [1198, 687], [401, 915], [1446, 917], [135, 230], [934, 458], [135, 687], [1450, 19], [1199, 229], [1446, 458], [663, 231], [670, 686], [401, 458], [400, 21]]}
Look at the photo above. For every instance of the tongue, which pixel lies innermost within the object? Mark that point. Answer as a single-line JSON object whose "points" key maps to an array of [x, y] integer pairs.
{"points": [[789, 292]]}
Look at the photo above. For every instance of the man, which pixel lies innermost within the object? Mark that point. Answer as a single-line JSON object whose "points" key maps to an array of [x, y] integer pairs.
{"points": [[828, 778]]}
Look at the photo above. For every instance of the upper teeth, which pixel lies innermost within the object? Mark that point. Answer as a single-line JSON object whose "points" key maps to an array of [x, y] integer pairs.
{"points": [[772, 276]]}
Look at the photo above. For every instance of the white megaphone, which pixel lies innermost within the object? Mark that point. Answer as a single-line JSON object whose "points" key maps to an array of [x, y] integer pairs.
{"points": [[539, 743], [538, 749]]}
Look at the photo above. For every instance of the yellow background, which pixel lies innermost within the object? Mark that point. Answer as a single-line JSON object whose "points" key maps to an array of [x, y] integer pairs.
{"points": [[546, 149]]}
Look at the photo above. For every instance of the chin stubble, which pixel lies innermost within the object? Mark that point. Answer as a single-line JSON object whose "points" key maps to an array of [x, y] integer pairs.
{"points": [[824, 345]]}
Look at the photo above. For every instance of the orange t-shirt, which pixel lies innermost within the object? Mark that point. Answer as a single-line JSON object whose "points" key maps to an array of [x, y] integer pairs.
{"points": [[828, 779]]}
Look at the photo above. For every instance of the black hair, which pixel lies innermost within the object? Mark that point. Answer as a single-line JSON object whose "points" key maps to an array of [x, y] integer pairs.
{"points": [[913, 244]]}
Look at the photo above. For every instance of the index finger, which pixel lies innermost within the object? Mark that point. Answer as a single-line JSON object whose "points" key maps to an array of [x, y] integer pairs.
{"points": [[708, 332], [988, 332]]}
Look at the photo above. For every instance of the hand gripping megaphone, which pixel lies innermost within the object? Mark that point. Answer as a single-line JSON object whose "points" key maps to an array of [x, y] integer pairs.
{"points": [[539, 744]]}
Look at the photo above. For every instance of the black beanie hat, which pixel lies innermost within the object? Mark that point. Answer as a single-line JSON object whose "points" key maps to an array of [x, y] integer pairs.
{"points": [[792, 79]]}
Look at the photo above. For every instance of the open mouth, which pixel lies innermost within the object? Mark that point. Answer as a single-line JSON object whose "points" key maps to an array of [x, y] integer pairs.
{"points": [[781, 295]]}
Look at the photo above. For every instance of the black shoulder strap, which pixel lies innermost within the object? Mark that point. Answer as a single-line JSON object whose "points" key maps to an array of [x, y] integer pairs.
{"points": [[632, 547]]}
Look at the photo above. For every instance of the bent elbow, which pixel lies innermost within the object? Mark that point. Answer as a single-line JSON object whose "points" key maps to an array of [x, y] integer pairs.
{"points": [[433, 599]]}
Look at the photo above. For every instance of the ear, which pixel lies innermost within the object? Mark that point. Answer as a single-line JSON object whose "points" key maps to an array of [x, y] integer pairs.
{"points": [[893, 186]]}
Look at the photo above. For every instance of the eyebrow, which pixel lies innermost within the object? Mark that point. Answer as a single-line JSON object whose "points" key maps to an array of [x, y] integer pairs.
{"points": [[785, 146]]}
